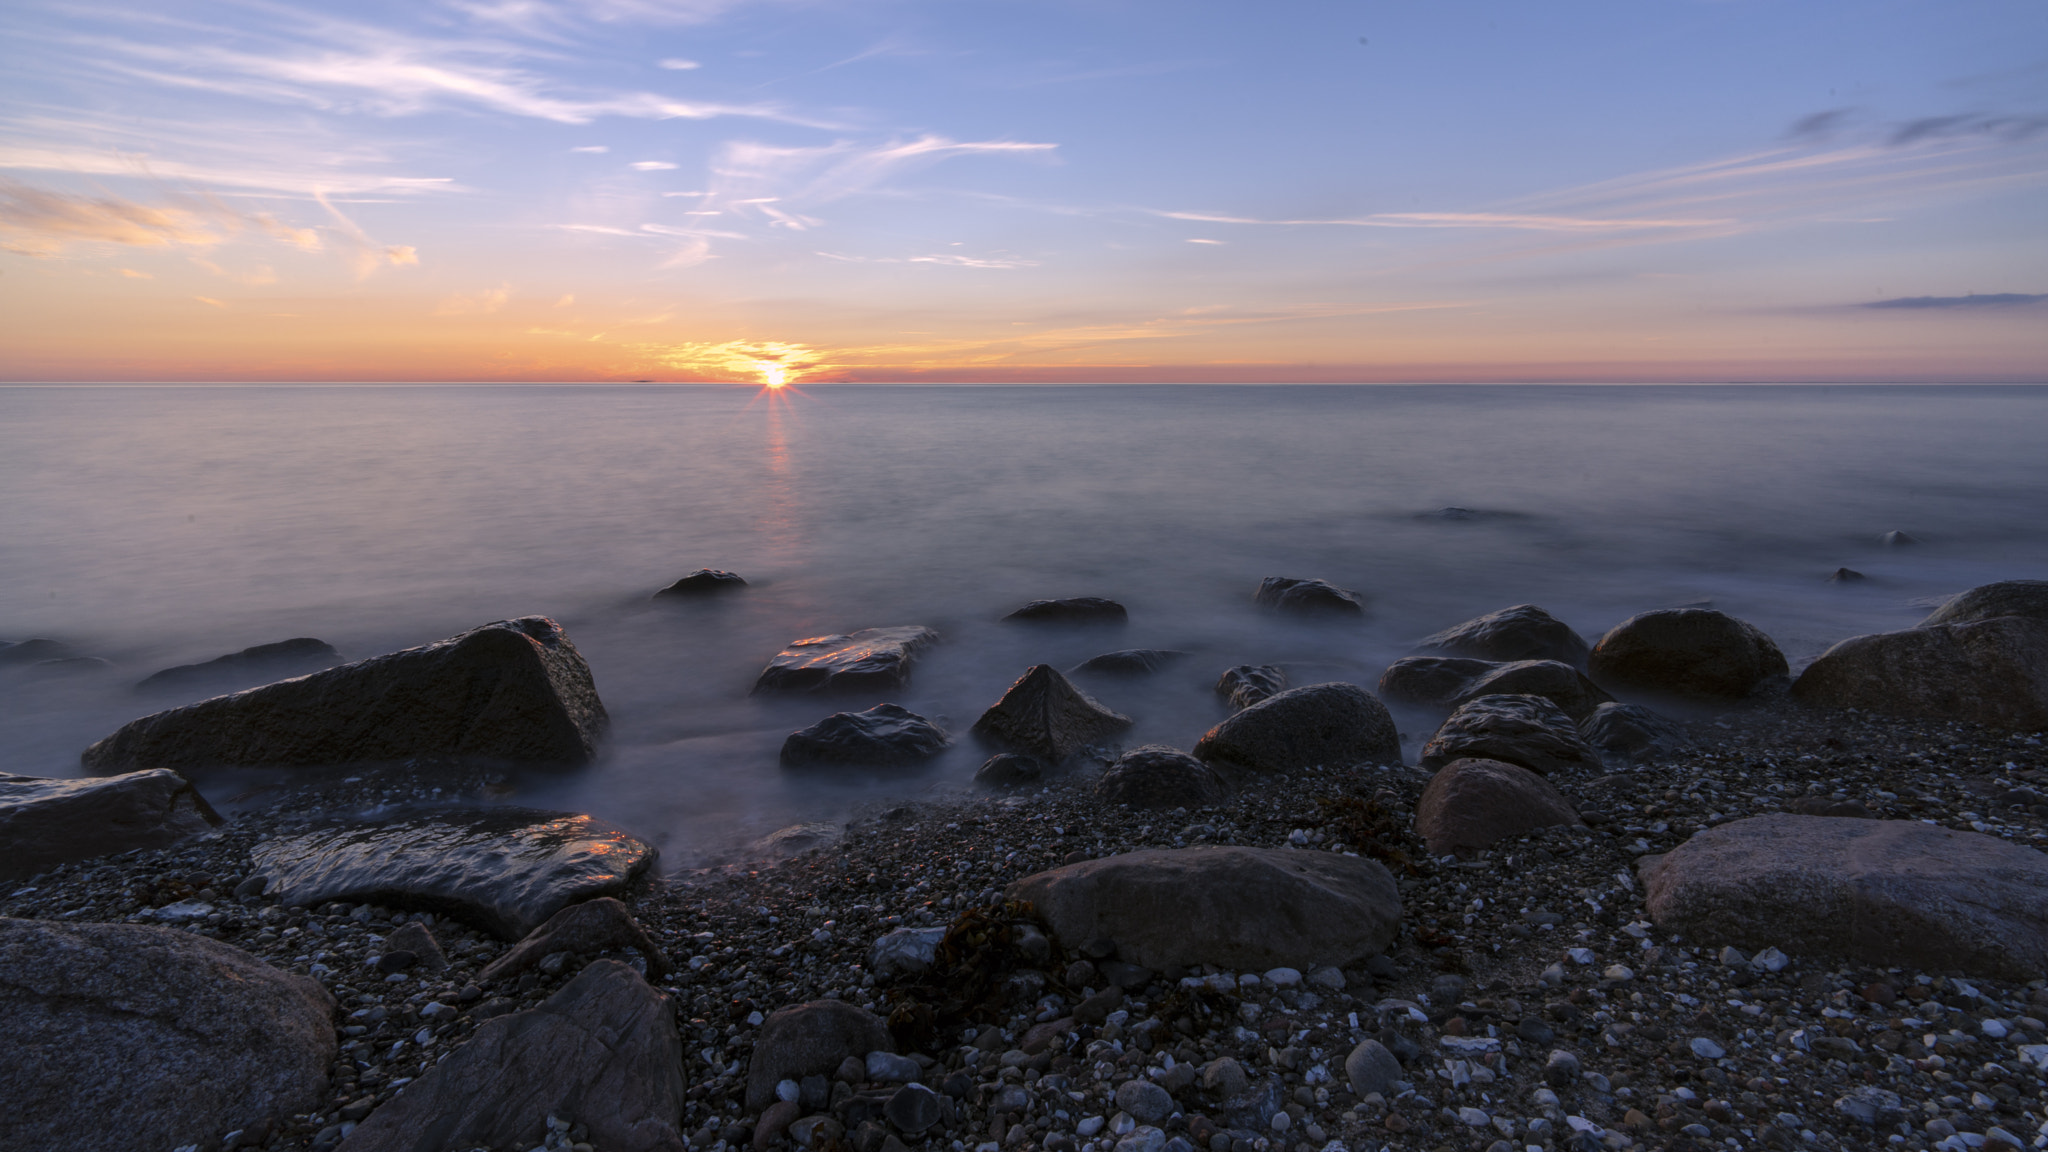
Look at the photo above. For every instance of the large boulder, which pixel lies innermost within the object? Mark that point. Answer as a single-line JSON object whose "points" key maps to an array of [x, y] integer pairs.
{"points": [[1473, 804], [123, 1037], [1129, 662], [872, 658], [1246, 909], [1334, 725], [1452, 681], [1632, 732], [264, 662], [1989, 601], [705, 582], [810, 1040], [505, 870], [1686, 652], [1880, 892], [602, 1051], [1156, 776], [1525, 730], [1072, 610], [1523, 632], [884, 735], [1987, 671], [516, 690], [1308, 597], [1247, 684], [45, 823], [1044, 715]]}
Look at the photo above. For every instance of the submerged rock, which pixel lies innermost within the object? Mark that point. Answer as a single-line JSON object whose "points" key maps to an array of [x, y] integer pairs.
{"points": [[1129, 662], [505, 870], [1686, 652], [1247, 684], [33, 651], [1308, 597], [259, 664], [872, 658], [45, 823], [1156, 776], [1523, 632], [1525, 730], [1475, 803], [1431, 681], [126, 1038], [1044, 715], [1072, 610], [1991, 671], [1988, 601], [704, 582], [883, 735], [1847, 576], [516, 690], [1331, 725], [1897, 539]]}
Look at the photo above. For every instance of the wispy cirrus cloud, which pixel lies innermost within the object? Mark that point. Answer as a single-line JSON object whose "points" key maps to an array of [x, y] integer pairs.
{"points": [[1511, 221], [45, 222], [1973, 302]]}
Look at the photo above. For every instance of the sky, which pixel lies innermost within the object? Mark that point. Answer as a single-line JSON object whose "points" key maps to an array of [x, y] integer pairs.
{"points": [[1037, 190]]}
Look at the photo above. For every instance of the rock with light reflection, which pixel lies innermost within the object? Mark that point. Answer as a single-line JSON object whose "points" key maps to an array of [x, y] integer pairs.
{"points": [[868, 659], [505, 870]]}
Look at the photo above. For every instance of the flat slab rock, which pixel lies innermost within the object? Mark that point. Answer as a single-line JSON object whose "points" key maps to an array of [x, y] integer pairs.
{"points": [[1883, 892], [603, 1050], [1991, 671], [884, 735], [1334, 724], [505, 870], [45, 823], [515, 690], [123, 1037], [872, 658], [1045, 716], [1245, 909]]}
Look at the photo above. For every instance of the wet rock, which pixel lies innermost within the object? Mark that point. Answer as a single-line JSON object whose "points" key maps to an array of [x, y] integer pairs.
{"points": [[1044, 715], [1333, 725], [1448, 682], [604, 1050], [1156, 776], [417, 940], [1308, 597], [1523, 632], [871, 659], [586, 929], [1371, 1067], [1686, 652], [516, 690], [1883, 892], [1247, 684], [705, 582], [884, 735], [1989, 601], [1525, 730], [121, 1037], [809, 1040], [262, 663], [1473, 804], [505, 870], [1072, 610], [1632, 732], [1987, 671], [1129, 662], [45, 823], [1009, 770], [1245, 909], [1431, 681]]}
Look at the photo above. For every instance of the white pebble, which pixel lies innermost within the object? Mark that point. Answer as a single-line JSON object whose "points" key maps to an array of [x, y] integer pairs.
{"points": [[1581, 955], [1996, 1029], [1283, 977], [788, 1090], [1088, 1127]]}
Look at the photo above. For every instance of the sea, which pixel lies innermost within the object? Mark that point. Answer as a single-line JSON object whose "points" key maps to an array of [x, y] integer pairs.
{"points": [[152, 526]]}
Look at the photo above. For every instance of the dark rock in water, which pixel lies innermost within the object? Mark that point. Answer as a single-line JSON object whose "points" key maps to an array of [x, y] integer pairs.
{"points": [[264, 662], [1523, 632], [1009, 770], [1073, 610], [1451, 682], [1431, 681], [585, 929], [1044, 715], [126, 1038], [872, 658], [1243, 909], [33, 651], [1847, 576], [505, 870], [516, 690], [1333, 725], [69, 666], [1686, 652], [1308, 597], [883, 735], [1897, 539], [1524, 730], [1155, 776], [45, 823], [1989, 601], [1988, 672], [1632, 732], [603, 1050], [810, 1040], [1452, 512], [704, 581], [1247, 684], [1129, 662], [1475, 803]]}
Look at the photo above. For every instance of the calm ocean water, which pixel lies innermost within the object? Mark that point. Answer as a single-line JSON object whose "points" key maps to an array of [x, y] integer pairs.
{"points": [[155, 526]]}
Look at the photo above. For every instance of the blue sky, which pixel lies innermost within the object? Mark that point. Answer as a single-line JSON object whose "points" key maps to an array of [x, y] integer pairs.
{"points": [[653, 189]]}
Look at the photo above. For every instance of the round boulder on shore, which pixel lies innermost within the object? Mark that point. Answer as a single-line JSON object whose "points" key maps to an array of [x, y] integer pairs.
{"points": [[1991, 672], [1472, 804], [1332, 725], [1989, 601], [1525, 730], [1156, 776], [1523, 632], [1686, 652]]}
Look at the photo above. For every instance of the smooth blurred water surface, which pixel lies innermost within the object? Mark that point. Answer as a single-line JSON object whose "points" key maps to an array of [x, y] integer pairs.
{"points": [[163, 525]]}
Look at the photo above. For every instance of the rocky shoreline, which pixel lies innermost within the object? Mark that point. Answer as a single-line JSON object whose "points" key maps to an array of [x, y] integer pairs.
{"points": [[873, 986]]}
